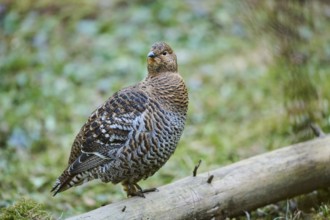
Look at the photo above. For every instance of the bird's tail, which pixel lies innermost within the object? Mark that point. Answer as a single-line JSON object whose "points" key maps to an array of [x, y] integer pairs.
{"points": [[66, 181]]}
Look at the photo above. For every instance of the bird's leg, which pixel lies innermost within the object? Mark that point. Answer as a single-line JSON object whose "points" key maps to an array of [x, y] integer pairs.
{"points": [[129, 189], [132, 190], [138, 190]]}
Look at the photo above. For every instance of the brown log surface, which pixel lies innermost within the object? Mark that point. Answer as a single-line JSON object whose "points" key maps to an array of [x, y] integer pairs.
{"points": [[242, 186]]}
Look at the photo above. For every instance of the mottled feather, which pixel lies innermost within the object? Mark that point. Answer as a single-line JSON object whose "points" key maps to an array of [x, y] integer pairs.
{"points": [[134, 132]]}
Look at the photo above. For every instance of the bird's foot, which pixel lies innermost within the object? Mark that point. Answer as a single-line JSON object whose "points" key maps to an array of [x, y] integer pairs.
{"points": [[136, 190], [141, 192]]}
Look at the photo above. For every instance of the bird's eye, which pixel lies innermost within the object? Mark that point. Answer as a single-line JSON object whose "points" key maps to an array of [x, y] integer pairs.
{"points": [[164, 53]]}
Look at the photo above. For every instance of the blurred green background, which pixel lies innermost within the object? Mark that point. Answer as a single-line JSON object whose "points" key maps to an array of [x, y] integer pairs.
{"points": [[258, 74]]}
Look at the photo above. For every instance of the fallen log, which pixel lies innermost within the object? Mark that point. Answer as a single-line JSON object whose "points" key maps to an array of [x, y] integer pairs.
{"points": [[233, 189]]}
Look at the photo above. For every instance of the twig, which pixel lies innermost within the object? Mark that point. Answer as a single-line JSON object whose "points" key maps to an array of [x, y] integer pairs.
{"points": [[209, 180], [124, 208], [196, 168], [317, 130], [247, 215]]}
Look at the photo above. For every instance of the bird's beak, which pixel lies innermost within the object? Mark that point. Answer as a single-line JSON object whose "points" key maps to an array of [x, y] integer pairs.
{"points": [[151, 54]]}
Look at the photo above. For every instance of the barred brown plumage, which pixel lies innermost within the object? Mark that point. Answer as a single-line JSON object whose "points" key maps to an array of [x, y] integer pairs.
{"points": [[134, 132]]}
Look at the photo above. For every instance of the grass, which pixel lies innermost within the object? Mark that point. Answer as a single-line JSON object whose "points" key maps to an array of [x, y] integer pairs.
{"points": [[25, 209], [60, 60]]}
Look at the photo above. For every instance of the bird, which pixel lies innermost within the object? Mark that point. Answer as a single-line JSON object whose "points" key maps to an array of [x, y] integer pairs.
{"points": [[134, 132]]}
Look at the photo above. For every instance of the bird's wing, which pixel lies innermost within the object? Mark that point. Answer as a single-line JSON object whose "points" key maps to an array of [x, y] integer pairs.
{"points": [[107, 130]]}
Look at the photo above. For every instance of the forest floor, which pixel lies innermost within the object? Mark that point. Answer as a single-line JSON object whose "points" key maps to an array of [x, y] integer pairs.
{"points": [[59, 60]]}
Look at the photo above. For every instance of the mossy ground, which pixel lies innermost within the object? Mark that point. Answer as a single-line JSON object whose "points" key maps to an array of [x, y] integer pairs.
{"points": [[24, 209], [59, 60]]}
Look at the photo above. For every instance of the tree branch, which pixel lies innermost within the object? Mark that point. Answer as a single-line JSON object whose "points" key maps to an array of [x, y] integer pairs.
{"points": [[234, 189]]}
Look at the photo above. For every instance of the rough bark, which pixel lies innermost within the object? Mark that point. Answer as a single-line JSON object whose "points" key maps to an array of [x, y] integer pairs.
{"points": [[242, 186]]}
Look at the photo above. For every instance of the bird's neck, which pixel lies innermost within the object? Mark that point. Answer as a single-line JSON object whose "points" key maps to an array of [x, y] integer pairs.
{"points": [[170, 90]]}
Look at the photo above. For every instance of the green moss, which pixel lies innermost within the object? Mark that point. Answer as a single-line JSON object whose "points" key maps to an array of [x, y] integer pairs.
{"points": [[24, 209]]}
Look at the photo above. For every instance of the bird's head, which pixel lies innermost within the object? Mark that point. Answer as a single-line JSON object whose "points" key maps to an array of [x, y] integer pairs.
{"points": [[161, 58]]}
